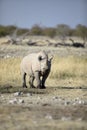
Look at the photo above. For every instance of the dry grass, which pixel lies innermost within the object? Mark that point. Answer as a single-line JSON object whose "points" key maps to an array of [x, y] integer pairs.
{"points": [[69, 67], [10, 71], [71, 71]]}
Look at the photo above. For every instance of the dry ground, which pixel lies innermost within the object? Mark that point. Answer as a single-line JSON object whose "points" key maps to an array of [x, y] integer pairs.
{"points": [[62, 105], [53, 108]]}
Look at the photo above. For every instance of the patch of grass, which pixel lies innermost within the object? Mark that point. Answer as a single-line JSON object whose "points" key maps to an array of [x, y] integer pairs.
{"points": [[70, 67], [65, 71], [71, 71], [10, 71]]}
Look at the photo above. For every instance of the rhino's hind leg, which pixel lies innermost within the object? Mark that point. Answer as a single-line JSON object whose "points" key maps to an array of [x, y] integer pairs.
{"points": [[31, 80], [24, 80]]}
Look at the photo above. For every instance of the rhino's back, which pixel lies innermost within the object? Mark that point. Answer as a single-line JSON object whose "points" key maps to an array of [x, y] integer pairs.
{"points": [[29, 63], [26, 63]]}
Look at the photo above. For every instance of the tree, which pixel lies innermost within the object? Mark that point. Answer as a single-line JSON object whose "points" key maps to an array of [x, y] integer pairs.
{"points": [[36, 30], [6, 30], [62, 30], [51, 32], [3, 31], [81, 31], [18, 35]]}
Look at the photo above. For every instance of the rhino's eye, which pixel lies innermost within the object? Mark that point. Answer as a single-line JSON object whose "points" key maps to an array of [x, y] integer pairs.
{"points": [[39, 58]]}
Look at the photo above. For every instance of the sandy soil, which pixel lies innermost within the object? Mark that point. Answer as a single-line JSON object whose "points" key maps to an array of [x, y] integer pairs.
{"points": [[53, 108]]}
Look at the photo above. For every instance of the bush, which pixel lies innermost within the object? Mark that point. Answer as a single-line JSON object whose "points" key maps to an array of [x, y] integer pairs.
{"points": [[51, 32]]}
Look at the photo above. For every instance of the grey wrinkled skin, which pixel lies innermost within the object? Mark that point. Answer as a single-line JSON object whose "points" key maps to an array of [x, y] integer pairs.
{"points": [[36, 66]]}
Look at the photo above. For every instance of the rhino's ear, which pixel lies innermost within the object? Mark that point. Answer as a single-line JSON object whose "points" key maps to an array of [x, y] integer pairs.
{"points": [[40, 58], [51, 58]]}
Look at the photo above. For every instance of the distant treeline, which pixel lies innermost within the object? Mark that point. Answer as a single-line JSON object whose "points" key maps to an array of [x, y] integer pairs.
{"points": [[62, 30]]}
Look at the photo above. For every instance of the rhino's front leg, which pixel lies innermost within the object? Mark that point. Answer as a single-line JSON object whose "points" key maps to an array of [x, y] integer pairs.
{"points": [[37, 77], [44, 77]]}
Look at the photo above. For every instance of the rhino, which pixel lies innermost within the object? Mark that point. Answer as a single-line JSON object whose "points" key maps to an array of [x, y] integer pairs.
{"points": [[36, 66]]}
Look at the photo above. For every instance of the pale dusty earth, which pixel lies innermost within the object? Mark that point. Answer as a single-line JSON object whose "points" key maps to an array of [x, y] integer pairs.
{"points": [[52, 108]]}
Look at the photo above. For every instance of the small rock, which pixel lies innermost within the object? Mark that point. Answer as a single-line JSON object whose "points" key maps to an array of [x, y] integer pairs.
{"points": [[65, 118], [74, 103], [17, 94], [76, 99], [66, 103], [20, 101], [7, 56], [14, 101], [49, 117], [35, 122], [55, 97], [38, 98], [29, 94], [79, 119], [59, 99], [2, 96], [81, 102]]}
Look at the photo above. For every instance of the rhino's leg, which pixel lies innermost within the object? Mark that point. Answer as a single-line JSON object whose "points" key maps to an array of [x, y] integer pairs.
{"points": [[44, 77], [24, 80], [31, 80], [37, 77]]}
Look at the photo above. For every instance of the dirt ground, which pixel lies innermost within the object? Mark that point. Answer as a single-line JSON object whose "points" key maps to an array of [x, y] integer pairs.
{"points": [[52, 108]]}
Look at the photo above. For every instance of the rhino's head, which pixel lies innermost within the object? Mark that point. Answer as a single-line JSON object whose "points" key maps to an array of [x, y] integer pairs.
{"points": [[44, 61]]}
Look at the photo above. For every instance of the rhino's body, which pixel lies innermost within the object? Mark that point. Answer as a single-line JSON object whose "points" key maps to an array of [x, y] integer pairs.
{"points": [[35, 65]]}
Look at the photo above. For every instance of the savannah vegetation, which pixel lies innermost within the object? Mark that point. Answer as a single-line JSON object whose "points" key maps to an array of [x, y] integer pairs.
{"points": [[61, 30], [70, 71]]}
